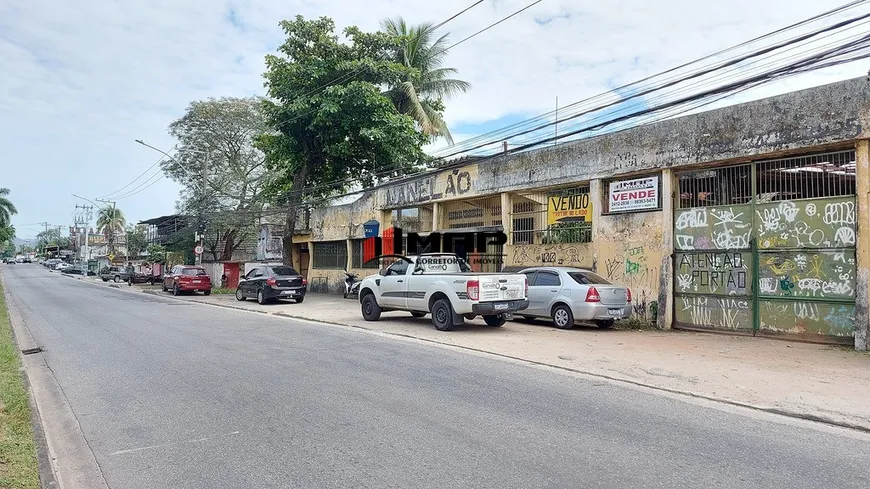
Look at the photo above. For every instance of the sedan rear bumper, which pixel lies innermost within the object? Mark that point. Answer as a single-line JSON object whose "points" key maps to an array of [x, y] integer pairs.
{"points": [[586, 311], [285, 292], [194, 287]]}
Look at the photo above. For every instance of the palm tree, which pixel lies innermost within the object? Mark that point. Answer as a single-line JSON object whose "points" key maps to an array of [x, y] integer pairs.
{"points": [[426, 84], [7, 209], [110, 222]]}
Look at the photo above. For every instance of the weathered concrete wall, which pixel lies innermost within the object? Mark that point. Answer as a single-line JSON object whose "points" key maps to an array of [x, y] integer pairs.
{"points": [[629, 251], [344, 221], [820, 116], [569, 255]]}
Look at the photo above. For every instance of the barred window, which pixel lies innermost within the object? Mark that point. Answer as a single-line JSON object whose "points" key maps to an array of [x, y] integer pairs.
{"points": [[569, 221], [330, 254], [357, 259]]}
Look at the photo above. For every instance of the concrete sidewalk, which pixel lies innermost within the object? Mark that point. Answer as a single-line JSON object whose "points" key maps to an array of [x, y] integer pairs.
{"points": [[825, 383]]}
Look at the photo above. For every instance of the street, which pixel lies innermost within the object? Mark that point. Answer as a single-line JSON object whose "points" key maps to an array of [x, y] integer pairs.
{"points": [[174, 394]]}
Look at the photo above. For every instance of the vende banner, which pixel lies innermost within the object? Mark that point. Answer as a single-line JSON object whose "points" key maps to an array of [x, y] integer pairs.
{"points": [[634, 195], [569, 208]]}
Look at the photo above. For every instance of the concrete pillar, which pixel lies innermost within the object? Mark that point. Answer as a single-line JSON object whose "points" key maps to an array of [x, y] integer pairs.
{"points": [[506, 207], [862, 245], [436, 216], [597, 199], [349, 263], [665, 317], [311, 246], [386, 219]]}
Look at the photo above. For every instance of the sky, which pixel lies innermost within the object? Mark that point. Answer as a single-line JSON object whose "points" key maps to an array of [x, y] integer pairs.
{"points": [[81, 81]]}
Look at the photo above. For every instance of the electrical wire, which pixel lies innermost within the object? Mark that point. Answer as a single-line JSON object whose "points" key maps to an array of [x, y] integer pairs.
{"points": [[736, 87], [135, 179], [672, 82], [517, 125]]}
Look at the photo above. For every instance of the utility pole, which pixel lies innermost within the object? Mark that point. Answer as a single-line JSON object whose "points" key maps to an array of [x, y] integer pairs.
{"points": [[46, 224], [83, 217]]}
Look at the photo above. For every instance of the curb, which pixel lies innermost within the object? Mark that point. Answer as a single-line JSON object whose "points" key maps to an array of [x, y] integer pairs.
{"points": [[766, 409]]}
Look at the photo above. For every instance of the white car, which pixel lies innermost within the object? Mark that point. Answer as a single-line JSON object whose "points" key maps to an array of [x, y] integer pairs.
{"points": [[567, 294], [61, 266], [445, 286]]}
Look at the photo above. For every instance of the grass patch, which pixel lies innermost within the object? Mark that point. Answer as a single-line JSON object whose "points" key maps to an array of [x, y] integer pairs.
{"points": [[19, 468], [223, 291], [635, 322]]}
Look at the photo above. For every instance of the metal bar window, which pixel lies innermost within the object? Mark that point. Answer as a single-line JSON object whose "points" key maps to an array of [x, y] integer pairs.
{"points": [[330, 255], [357, 259], [730, 185], [477, 213], [532, 225], [807, 177]]}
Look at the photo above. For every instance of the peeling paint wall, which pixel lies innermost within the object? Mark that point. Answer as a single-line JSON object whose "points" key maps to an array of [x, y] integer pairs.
{"points": [[629, 248], [344, 221]]}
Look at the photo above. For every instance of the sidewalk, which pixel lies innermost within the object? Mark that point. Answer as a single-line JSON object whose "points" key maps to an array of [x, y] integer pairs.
{"points": [[826, 383]]}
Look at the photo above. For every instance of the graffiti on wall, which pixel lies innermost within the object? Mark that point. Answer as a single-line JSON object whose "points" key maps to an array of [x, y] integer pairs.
{"points": [[730, 313], [637, 268], [807, 318], [713, 228], [714, 272], [564, 254], [817, 223], [818, 274]]}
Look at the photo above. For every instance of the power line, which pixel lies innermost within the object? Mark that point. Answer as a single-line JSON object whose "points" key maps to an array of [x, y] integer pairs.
{"points": [[669, 82], [493, 24], [648, 78], [135, 179]]}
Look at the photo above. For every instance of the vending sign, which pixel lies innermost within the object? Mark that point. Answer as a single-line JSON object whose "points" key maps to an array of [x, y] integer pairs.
{"points": [[634, 195]]}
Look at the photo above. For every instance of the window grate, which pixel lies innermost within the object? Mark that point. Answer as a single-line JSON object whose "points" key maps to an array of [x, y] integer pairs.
{"points": [[530, 222], [330, 255]]}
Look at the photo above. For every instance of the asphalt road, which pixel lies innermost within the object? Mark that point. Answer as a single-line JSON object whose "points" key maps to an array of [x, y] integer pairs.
{"points": [[179, 395]]}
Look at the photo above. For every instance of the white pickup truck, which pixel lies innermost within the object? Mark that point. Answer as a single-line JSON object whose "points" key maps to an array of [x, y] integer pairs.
{"points": [[445, 286]]}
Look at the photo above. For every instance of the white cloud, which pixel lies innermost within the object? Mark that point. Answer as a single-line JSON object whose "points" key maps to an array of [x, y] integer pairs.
{"points": [[82, 80]]}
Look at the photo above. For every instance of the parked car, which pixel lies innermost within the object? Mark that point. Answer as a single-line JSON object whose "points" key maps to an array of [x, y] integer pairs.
{"points": [[61, 266], [270, 283], [187, 278], [115, 274], [444, 285], [9, 260], [568, 294]]}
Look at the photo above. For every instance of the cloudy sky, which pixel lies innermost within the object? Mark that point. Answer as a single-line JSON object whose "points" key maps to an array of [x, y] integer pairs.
{"points": [[82, 80]]}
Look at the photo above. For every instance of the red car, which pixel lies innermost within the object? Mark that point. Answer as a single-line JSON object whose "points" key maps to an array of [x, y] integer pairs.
{"points": [[186, 278]]}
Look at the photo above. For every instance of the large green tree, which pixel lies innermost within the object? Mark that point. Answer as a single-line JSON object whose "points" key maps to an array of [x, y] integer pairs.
{"points": [[330, 121], [51, 237], [224, 175], [136, 240], [111, 222], [425, 84], [7, 209]]}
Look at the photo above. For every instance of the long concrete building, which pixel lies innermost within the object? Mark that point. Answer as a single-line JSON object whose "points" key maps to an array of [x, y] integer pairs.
{"points": [[742, 219]]}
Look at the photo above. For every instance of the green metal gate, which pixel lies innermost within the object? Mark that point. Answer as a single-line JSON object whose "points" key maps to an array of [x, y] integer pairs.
{"points": [[768, 248]]}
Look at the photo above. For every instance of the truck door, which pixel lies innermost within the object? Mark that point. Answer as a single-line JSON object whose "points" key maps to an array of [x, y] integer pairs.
{"points": [[394, 285]]}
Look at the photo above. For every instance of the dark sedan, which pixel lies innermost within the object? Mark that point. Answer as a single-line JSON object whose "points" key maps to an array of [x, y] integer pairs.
{"points": [[268, 283]]}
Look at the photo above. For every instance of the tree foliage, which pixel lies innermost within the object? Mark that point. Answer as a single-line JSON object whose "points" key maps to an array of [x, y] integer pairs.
{"points": [[51, 237], [136, 240], [425, 84], [156, 253], [223, 173], [330, 120], [111, 222], [7, 209]]}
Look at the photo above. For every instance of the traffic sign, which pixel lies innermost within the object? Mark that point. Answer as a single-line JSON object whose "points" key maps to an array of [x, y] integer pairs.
{"points": [[198, 250]]}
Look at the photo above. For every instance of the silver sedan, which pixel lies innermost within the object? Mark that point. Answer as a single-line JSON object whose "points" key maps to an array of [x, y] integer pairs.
{"points": [[567, 294]]}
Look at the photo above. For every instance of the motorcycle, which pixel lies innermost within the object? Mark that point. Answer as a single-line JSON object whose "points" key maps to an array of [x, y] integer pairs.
{"points": [[351, 284]]}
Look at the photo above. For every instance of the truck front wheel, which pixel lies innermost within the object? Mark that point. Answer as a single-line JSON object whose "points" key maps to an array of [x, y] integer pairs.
{"points": [[371, 311], [496, 321], [442, 315]]}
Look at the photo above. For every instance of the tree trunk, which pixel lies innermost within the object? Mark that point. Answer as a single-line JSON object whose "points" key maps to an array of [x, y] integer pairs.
{"points": [[294, 201]]}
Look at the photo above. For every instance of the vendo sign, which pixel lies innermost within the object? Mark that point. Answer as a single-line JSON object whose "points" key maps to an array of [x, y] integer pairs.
{"points": [[634, 195]]}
